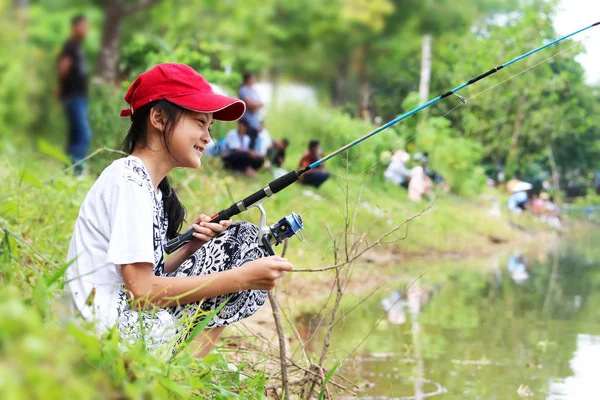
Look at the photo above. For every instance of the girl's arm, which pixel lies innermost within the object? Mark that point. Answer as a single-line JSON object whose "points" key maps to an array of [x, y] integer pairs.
{"points": [[177, 258], [149, 290]]}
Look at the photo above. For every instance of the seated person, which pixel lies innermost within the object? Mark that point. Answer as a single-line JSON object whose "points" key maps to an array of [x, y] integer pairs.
{"points": [[397, 171], [237, 154], [276, 152], [318, 175], [263, 141], [537, 205], [420, 184], [517, 202]]}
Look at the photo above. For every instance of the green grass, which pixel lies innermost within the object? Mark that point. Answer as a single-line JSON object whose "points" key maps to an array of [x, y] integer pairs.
{"points": [[43, 354]]}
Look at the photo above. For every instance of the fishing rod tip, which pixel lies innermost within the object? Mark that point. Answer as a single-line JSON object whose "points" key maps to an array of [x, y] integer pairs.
{"points": [[462, 99]]}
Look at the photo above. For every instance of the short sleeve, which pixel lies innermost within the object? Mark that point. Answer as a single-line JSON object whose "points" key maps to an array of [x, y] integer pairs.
{"points": [[232, 140], [244, 93], [131, 224]]}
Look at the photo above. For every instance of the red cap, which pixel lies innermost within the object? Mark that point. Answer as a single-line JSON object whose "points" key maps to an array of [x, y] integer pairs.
{"points": [[183, 86]]}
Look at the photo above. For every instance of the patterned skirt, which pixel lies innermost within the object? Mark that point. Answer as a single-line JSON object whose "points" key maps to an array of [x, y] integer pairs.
{"points": [[165, 328]]}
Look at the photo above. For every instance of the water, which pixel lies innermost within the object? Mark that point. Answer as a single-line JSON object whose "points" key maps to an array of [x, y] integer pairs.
{"points": [[522, 325]]}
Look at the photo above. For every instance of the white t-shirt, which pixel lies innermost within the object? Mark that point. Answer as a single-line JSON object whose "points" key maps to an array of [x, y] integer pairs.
{"points": [[264, 142], [121, 221], [234, 141]]}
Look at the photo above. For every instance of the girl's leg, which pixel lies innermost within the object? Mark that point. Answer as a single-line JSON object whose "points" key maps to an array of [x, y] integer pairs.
{"points": [[231, 249], [205, 341]]}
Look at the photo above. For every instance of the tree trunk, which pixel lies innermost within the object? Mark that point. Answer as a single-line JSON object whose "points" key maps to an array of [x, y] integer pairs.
{"points": [[364, 98], [109, 51], [21, 11], [554, 168], [340, 84], [274, 77], [425, 69], [21, 4], [366, 104], [517, 128]]}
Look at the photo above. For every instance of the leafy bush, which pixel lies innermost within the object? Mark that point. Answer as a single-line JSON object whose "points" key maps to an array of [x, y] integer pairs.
{"points": [[455, 158], [334, 129], [145, 51], [14, 73]]}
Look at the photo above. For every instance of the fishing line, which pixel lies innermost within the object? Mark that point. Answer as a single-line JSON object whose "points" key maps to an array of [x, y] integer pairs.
{"points": [[275, 186], [463, 102]]}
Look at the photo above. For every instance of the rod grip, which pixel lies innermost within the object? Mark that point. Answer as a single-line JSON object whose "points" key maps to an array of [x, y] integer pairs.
{"points": [[275, 186], [182, 239], [179, 241], [284, 181]]}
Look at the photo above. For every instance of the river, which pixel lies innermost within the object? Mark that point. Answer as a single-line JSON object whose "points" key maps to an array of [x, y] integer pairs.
{"points": [[520, 325]]}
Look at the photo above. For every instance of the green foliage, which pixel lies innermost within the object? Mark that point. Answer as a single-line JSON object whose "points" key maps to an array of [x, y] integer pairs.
{"points": [[143, 52], [455, 158], [44, 352], [334, 129], [342, 44], [14, 71]]}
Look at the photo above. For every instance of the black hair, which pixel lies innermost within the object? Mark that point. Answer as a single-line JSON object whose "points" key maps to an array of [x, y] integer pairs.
{"points": [[286, 142], [312, 144], [243, 122], [246, 76], [77, 19], [137, 135]]}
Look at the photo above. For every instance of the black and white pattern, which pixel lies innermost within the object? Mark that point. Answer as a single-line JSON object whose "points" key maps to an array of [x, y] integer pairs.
{"points": [[230, 249]]}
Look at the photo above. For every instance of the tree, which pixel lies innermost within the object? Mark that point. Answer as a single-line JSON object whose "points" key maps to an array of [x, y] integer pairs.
{"points": [[114, 13]]}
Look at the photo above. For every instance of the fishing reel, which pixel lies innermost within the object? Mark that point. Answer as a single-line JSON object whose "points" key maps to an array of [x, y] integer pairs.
{"points": [[275, 234]]}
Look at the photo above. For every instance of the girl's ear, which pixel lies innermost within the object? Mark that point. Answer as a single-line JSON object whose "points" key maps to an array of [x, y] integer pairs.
{"points": [[156, 119]]}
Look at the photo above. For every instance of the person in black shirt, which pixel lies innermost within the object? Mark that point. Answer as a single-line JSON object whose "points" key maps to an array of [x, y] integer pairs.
{"points": [[73, 76], [276, 152]]}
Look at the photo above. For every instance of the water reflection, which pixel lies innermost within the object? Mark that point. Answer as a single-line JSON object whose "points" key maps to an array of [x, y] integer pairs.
{"points": [[519, 326]]}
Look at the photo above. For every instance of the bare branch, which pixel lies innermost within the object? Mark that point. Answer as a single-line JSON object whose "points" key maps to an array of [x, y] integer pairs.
{"points": [[280, 336], [379, 241]]}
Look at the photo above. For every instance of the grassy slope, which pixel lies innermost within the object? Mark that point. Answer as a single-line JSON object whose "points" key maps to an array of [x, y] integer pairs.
{"points": [[41, 358]]}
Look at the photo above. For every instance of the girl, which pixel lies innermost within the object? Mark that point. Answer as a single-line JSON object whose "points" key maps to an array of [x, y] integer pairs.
{"points": [[119, 274]]}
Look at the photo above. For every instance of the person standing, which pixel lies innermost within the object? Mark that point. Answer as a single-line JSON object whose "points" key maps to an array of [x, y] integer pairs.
{"points": [[249, 95], [73, 87]]}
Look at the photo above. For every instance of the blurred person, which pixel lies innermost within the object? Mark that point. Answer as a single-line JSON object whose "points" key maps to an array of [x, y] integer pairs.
{"points": [[73, 91], [118, 275], [420, 184], [553, 213], [517, 266], [253, 105], [276, 152], [397, 171], [236, 152], [423, 159], [537, 205], [519, 199], [318, 175], [263, 141]]}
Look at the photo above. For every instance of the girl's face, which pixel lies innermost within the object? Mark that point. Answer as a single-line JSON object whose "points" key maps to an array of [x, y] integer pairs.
{"points": [[189, 138]]}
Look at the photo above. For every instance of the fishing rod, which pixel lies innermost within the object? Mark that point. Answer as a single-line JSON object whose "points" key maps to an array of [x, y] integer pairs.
{"points": [[256, 199]]}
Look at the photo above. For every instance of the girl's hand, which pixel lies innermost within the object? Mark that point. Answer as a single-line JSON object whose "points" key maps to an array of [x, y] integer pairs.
{"points": [[262, 274], [205, 230]]}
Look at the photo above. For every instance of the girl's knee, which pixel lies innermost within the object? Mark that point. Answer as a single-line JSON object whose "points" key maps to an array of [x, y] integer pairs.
{"points": [[245, 225], [244, 232]]}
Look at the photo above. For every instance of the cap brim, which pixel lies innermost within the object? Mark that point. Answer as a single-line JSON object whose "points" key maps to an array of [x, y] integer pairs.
{"points": [[223, 108]]}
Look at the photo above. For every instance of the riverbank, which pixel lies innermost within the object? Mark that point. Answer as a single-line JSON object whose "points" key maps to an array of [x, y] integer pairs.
{"points": [[377, 269], [40, 204]]}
